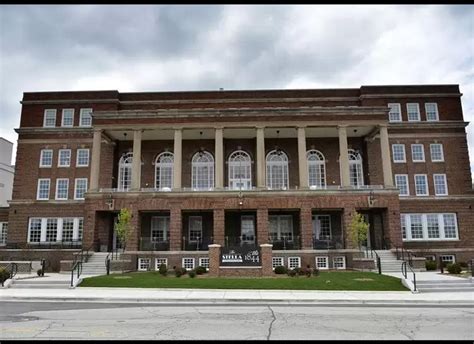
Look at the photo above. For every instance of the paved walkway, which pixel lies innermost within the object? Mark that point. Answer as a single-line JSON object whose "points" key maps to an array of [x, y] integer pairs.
{"points": [[163, 295]]}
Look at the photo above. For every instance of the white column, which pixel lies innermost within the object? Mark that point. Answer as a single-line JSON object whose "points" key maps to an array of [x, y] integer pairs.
{"points": [[219, 152], [260, 166], [343, 156], [137, 159], [95, 161], [302, 161], [178, 152], [386, 160]]}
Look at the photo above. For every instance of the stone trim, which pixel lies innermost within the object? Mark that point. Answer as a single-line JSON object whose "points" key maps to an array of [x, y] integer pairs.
{"points": [[411, 95], [69, 101]]}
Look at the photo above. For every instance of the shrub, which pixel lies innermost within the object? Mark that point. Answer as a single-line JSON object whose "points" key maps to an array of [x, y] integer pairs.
{"points": [[201, 270], [163, 270], [192, 273], [430, 265], [184, 271], [280, 270], [292, 273], [315, 272], [4, 275], [306, 271], [178, 273], [299, 271], [463, 265], [454, 268]]}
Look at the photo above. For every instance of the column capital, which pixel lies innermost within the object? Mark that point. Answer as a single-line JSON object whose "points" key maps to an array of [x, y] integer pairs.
{"points": [[301, 126], [382, 125], [140, 130], [342, 126], [259, 127], [219, 127]]}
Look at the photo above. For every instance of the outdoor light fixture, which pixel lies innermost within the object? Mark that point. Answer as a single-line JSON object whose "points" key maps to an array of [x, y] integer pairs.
{"points": [[277, 148], [201, 149]]}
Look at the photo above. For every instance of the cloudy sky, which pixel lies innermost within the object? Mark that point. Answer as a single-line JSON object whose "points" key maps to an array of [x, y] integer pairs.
{"points": [[166, 48]]}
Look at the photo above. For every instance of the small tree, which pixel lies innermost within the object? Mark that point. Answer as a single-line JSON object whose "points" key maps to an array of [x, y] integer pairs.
{"points": [[122, 227], [358, 229]]}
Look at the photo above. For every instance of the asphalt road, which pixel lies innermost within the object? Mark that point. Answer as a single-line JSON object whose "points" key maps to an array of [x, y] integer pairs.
{"points": [[50, 320]]}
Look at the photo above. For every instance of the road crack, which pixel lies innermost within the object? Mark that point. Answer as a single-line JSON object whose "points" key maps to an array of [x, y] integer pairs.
{"points": [[271, 323]]}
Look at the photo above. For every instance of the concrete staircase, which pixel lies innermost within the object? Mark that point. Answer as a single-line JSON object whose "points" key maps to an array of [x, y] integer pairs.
{"points": [[95, 265], [389, 261], [40, 283], [460, 284]]}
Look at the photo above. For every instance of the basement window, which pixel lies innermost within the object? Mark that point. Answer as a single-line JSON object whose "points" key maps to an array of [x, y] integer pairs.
{"points": [[144, 264]]}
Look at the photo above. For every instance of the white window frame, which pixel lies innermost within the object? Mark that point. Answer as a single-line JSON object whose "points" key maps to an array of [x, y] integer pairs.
{"points": [[159, 261], [206, 265], [42, 157], [142, 264], [38, 189], [279, 235], [440, 145], [48, 113], [166, 230], [59, 157], [240, 160], [200, 168], [162, 182], [63, 117], [397, 145], [436, 111], [443, 175], [334, 262], [451, 260], [404, 176], [356, 169], [322, 267], [186, 260], [290, 263], [424, 224], [71, 230], [85, 111], [58, 180], [78, 223], [316, 169], [315, 219], [426, 183], [79, 150], [274, 167], [418, 119], [277, 261], [75, 188], [422, 150], [3, 233], [390, 114], [125, 163], [194, 217]]}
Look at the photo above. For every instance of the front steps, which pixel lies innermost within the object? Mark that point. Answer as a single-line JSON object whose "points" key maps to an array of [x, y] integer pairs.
{"points": [[40, 283], [432, 286], [95, 264], [388, 261]]}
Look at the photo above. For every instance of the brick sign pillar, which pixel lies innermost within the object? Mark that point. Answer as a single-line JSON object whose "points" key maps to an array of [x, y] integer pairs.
{"points": [[266, 255], [214, 259]]}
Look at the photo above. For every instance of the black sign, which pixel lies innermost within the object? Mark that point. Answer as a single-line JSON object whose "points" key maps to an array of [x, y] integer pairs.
{"points": [[241, 256]]}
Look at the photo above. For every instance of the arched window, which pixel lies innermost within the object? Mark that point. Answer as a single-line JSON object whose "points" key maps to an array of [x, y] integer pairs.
{"points": [[203, 171], [164, 171], [125, 171], [356, 175], [277, 170], [240, 171], [316, 169]]}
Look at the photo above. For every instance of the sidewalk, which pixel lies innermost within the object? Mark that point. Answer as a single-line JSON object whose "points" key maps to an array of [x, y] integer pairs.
{"points": [[217, 296]]}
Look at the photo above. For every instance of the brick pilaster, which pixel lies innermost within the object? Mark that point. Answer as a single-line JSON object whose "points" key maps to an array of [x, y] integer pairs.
{"points": [[266, 254], [175, 229], [219, 226], [306, 225], [262, 226], [214, 259], [346, 221]]}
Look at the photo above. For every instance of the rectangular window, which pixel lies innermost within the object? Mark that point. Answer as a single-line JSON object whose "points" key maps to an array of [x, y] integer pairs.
{"points": [[64, 158], [322, 263], [339, 262], [68, 230], [46, 158], [34, 231], [159, 261], [188, 263], [429, 227], [3, 233], [413, 111], [431, 111], [281, 227], [277, 261], [160, 226], [448, 258], [204, 262], [43, 189], [294, 262], [82, 158], [437, 154], [85, 118], [80, 188], [440, 184], [68, 118], [401, 181], [62, 186], [49, 118], [395, 113], [144, 264], [51, 229], [322, 227], [80, 229], [421, 185], [195, 228], [398, 152], [417, 153]]}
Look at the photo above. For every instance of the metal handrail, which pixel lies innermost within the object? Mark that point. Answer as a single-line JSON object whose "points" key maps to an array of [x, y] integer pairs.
{"points": [[405, 273], [404, 254], [377, 258], [78, 268]]}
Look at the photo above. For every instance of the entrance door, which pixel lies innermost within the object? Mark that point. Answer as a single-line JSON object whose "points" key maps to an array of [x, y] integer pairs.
{"points": [[247, 229], [115, 240], [375, 235]]}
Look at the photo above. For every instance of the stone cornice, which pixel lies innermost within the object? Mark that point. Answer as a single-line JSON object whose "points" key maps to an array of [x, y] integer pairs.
{"points": [[68, 101], [428, 125], [411, 95], [53, 130]]}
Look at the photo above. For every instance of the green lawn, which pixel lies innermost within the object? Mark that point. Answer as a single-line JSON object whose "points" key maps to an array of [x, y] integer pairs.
{"points": [[331, 280]]}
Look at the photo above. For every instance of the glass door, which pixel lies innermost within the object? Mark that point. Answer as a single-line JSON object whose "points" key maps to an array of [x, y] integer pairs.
{"points": [[247, 229]]}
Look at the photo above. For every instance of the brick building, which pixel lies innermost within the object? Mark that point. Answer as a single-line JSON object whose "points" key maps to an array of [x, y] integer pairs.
{"points": [[243, 168]]}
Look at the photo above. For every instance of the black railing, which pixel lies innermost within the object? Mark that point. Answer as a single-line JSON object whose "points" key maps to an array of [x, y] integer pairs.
{"points": [[405, 273], [47, 245], [326, 243], [153, 244], [197, 244], [370, 252], [285, 242], [242, 240], [76, 270], [405, 255]]}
